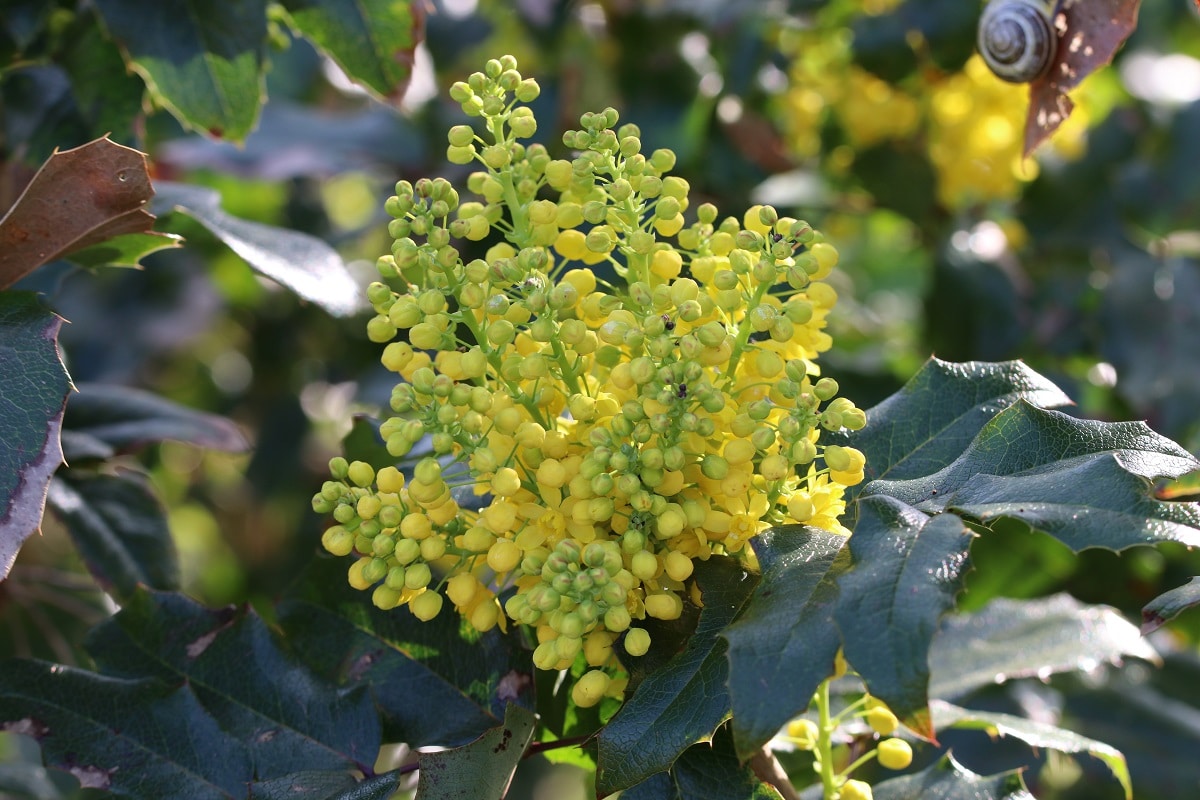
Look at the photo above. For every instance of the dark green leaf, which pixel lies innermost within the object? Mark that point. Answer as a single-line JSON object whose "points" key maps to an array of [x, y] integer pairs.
{"points": [[119, 528], [1023, 638], [311, 785], [303, 263], [33, 391], [373, 41], [126, 418], [107, 95], [481, 770], [132, 738], [1169, 605], [1086, 483], [948, 780], [23, 20], [124, 251], [714, 772], [683, 702], [437, 682], [908, 567], [785, 639], [203, 62], [289, 719], [931, 421], [1033, 733]]}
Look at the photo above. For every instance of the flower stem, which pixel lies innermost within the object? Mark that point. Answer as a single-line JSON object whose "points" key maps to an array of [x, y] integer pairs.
{"points": [[825, 727]]}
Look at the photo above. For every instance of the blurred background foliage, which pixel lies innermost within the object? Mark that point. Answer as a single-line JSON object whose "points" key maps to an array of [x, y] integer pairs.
{"points": [[873, 119]]}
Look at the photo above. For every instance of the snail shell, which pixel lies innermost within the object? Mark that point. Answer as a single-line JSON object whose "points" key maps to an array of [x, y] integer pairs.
{"points": [[1017, 38]]}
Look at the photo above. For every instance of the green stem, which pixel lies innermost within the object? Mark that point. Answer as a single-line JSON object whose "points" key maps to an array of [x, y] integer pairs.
{"points": [[744, 329], [825, 729]]}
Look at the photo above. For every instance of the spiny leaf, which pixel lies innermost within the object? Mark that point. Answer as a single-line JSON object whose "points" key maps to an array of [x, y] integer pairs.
{"points": [[120, 529], [931, 420], [203, 62], [785, 639], [302, 263], [1169, 605], [313, 785], [949, 780], [481, 770], [1009, 639], [683, 702], [125, 418], [131, 738], [288, 718], [1084, 482], [33, 391], [1033, 733], [908, 568], [436, 683], [374, 41], [78, 198], [705, 771], [126, 250]]}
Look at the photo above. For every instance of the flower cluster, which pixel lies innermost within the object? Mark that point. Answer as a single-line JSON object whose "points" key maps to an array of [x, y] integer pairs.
{"points": [[609, 393], [969, 122]]}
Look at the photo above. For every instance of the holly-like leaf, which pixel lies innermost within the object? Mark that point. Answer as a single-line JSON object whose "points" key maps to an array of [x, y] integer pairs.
{"points": [[33, 391], [1033, 733], [289, 719], [373, 41], [1089, 34], [1010, 639], [126, 250], [908, 568], [481, 770], [305, 264], [78, 198], [203, 62], [1086, 483], [130, 738], [928, 423], [125, 419], [119, 528], [706, 771], [435, 683], [684, 701], [1169, 605], [949, 780], [786, 638]]}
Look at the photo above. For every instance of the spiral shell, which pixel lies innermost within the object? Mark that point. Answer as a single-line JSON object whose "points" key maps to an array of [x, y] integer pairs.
{"points": [[1017, 38]]}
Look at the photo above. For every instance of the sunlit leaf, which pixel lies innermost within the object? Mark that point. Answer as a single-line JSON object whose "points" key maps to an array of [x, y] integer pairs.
{"points": [[481, 770], [1169, 605]]}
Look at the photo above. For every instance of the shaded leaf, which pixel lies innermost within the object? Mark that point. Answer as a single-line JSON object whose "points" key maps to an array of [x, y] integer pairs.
{"points": [[683, 702], [1169, 605], [305, 264], [1086, 483], [908, 567], [1033, 733], [1010, 639], [312, 785], [107, 95], [705, 771], [1089, 34], [481, 770], [78, 198], [785, 639], [949, 780], [434, 682], [126, 250], [203, 62], [125, 419], [928, 423], [288, 718], [33, 391], [120, 529], [373, 41], [131, 738]]}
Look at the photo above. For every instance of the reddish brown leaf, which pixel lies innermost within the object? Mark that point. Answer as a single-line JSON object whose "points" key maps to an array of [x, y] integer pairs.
{"points": [[1089, 34], [78, 198]]}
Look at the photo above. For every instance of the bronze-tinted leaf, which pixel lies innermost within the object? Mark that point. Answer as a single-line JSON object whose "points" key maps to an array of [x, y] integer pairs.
{"points": [[1089, 34]]}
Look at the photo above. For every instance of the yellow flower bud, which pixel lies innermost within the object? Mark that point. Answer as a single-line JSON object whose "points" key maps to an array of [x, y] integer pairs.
{"points": [[426, 605], [590, 688], [637, 641], [856, 790], [895, 754]]}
